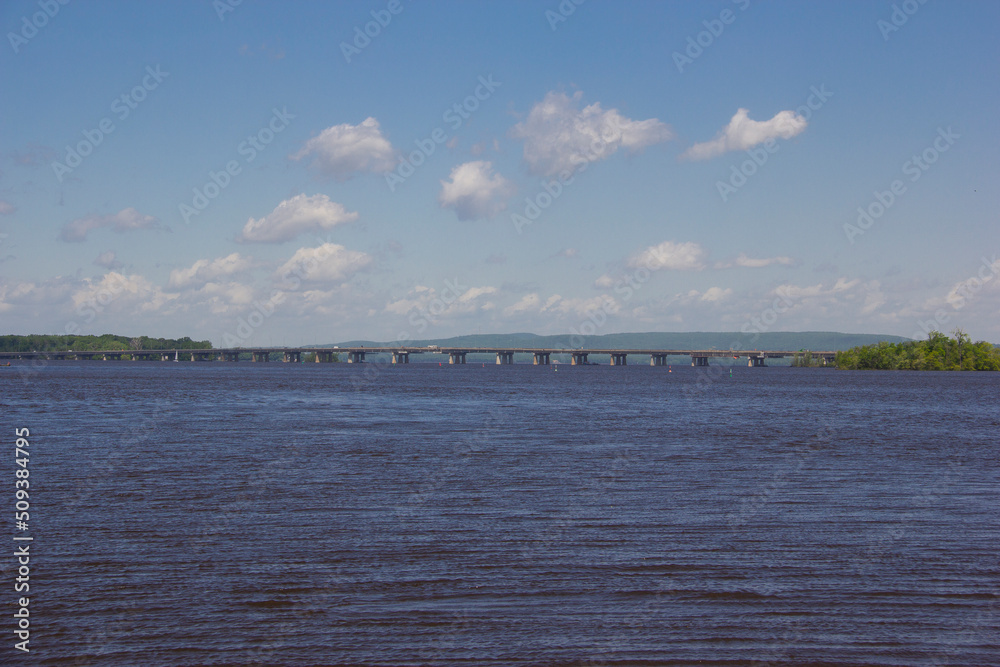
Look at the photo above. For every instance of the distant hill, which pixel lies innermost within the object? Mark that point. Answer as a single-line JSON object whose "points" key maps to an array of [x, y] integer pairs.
{"points": [[697, 340]]}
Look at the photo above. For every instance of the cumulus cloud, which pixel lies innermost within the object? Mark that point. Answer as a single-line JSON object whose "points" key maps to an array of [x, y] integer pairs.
{"points": [[116, 291], [108, 260], [796, 293], [714, 294], [343, 150], [296, 216], [448, 302], [559, 136], [557, 305], [743, 133], [669, 255], [604, 282], [6, 208], [329, 263], [474, 191], [126, 220], [755, 263], [205, 271]]}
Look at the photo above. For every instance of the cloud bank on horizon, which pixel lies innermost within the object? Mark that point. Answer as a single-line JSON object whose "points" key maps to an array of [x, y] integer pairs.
{"points": [[517, 176]]}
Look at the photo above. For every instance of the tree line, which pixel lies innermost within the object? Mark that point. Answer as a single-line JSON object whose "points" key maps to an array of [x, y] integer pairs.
{"points": [[62, 343], [938, 353]]}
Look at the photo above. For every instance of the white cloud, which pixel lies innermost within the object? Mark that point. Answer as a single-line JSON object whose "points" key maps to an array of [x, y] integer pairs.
{"points": [[669, 255], [527, 303], [474, 293], [342, 150], [205, 271], [6, 208], [108, 260], [796, 293], [118, 292], [578, 307], [125, 220], [475, 191], [326, 263], [743, 133], [433, 304], [715, 294], [604, 282], [296, 216], [755, 263], [559, 136]]}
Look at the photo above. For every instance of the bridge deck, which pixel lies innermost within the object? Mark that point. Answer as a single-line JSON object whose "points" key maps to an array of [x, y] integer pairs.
{"points": [[218, 352]]}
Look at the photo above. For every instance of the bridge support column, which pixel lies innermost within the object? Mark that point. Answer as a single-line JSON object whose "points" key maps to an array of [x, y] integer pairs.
{"points": [[579, 358], [324, 357], [456, 357], [542, 358], [505, 358], [230, 356], [699, 361], [619, 359], [260, 355], [164, 356], [356, 357], [293, 356], [657, 360], [400, 357], [755, 362]]}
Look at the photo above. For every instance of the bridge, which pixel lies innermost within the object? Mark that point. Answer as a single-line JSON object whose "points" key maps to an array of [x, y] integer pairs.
{"points": [[401, 354]]}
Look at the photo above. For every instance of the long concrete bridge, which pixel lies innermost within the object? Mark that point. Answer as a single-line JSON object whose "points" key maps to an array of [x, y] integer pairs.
{"points": [[401, 355]]}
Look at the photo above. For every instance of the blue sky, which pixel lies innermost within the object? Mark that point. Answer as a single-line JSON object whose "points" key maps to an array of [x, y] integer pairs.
{"points": [[497, 166]]}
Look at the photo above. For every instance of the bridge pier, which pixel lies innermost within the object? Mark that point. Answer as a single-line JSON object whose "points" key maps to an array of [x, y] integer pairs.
{"points": [[292, 356], [229, 356], [116, 357], [618, 359], [400, 357], [260, 355], [505, 358], [756, 362], [456, 357], [699, 361], [657, 360], [356, 357], [579, 358], [542, 358], [324, 357]]}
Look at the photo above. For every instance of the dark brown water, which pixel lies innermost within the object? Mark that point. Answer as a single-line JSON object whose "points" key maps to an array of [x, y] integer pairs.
{"points": [[219, 514]]}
